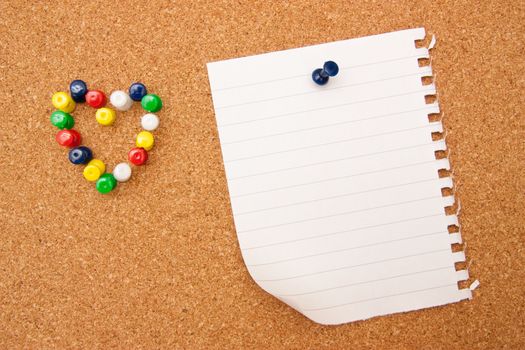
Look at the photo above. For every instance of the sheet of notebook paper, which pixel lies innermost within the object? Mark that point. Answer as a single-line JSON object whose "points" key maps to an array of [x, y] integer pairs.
{"points": [[334, 189]]}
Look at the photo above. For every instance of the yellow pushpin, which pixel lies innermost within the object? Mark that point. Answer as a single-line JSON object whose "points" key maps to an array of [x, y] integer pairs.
{"points": [[145, 140], [105, 116], [94, 169], [63, 102]]}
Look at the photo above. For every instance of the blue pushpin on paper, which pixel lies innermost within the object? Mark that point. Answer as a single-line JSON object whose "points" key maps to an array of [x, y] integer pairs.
{"points": [[320, 76]]}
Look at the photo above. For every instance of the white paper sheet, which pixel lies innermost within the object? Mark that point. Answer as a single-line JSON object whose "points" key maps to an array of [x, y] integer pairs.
{"points": [[335, 189]]}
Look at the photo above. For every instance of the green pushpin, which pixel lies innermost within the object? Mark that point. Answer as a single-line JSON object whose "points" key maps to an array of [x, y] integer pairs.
{"points": [[106, 183], [62, 120], [151, 103]]}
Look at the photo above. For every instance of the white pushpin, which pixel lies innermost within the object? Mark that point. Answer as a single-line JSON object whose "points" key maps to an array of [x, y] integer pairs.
{"points": [[120, 100], [149, 122], [122, 172]]}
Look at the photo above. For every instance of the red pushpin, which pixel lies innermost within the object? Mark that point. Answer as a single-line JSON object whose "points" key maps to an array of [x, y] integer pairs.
{"points": [[96, 98], [138, 156], [68, 138]]}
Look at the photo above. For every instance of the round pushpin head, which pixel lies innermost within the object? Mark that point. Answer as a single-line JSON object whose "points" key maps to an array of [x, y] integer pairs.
{"points": [[106, 183], [145, 140], [331, 68], [137, 91], [62, 120], [318, 78], [94, 169], [151, 103], [138, 156], [68, 138], [149, 122], [80, 155], [63, 102], [122, 172], [120, 100], [78, 90], [96, 98], [105, 116]]}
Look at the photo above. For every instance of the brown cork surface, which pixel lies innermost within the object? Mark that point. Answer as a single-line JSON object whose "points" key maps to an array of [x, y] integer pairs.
{"points": [[156, 264]]}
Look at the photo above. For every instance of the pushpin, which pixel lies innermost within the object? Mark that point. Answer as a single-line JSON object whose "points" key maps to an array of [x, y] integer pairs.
{"points": [[122, 172], [149, 122], [105, 116], [137, 91], [62, 120], [321, 75], [80, 155], [145, 140], [94, 169], [78, 90], [151, 103], [95, 98], [106, 183], [138, 156], [120, 100], [63, 102], [68, 138]]}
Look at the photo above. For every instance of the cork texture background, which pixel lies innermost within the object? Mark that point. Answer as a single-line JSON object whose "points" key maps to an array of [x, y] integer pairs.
{"points": [[156, 263]]}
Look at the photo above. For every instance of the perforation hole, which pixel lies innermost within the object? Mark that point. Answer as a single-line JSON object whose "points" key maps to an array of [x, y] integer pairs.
{"points": [[436, 136], [452, 209], [430, 99], [453, 228], [440, 154], [423, 62], [420, 43], [444, 173], [427, 80], [447, 191], [434, 117]]}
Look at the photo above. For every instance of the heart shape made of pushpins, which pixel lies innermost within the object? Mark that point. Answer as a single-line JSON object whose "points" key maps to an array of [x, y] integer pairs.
{"points": [[95, 169]]}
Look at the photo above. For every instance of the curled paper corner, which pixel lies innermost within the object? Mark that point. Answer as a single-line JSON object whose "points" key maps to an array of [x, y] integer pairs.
{"points": [[432, 42]]}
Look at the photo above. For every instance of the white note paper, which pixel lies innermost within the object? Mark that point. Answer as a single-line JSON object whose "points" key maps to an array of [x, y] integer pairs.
{"points": [[334, 189]]}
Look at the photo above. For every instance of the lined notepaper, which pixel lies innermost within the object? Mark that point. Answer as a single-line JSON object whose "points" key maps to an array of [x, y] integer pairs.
{"points": [[334, 189]]}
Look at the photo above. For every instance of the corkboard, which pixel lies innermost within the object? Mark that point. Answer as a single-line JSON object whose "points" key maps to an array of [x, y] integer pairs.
{"points": [[156, 264]]}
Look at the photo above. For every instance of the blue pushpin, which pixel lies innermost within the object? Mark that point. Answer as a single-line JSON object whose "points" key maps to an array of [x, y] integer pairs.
{"points": [[80, 155], [78, 90], [321, 75], [137, 91]]}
